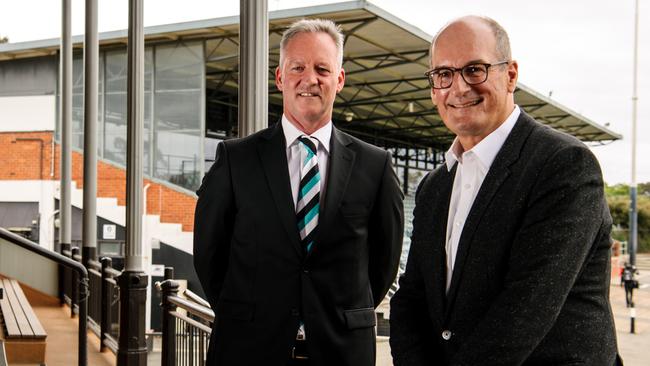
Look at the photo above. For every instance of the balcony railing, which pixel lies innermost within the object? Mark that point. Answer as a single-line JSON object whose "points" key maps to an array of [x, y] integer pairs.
{"points": [[186, 326], [103, 299]]}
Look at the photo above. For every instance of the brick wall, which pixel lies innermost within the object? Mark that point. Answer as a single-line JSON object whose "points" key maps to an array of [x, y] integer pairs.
{"points": [[25, 155], [23, 158]]}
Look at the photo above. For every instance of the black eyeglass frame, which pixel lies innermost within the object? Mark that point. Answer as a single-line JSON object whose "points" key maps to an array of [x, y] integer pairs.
{"points": [[454, 70]]}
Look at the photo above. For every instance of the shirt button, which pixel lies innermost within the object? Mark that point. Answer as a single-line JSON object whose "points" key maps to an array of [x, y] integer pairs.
{"points": [[468, 186], [446, 335], [457, 223]]}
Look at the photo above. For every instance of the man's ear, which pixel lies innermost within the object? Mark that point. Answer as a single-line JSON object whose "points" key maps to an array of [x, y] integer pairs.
{"points": [[340, 80], [278, 78], [513, 74]]}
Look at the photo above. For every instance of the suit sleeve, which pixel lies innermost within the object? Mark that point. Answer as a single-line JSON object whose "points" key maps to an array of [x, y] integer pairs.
{"points": [[411, 331], [213, 224], [386, 231], [565, 216]]}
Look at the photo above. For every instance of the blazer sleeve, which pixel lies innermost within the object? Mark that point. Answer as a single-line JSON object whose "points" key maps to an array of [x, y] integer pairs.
{"points": [[213, 225], [411, 331], [385, 233], [565, 221]]}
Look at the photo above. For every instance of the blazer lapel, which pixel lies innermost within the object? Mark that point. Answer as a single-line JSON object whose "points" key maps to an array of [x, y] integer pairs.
{"points": [[341, 160], [271, 150], [440, 238], [498, 173]]}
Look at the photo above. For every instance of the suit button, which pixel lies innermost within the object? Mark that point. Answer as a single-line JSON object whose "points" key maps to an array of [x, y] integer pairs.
{"points": [[446, 335], [305, 271], [295, 312]]}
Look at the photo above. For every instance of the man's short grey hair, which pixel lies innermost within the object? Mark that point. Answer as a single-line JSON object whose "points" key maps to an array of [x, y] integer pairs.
{"points": [[314, 26], [502, 50]]}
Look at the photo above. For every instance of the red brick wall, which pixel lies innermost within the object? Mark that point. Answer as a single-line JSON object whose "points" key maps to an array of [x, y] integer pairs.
{"points": [[25, 155], [20, 160]]}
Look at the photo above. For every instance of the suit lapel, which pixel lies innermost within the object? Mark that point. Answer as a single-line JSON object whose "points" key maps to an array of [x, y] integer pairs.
{"points": [[498, 173], [341, 160], [271, 150], [440, 235]]}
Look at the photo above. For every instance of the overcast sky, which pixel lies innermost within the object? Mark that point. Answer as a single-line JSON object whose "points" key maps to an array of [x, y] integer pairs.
{"points": [[580, 50]]}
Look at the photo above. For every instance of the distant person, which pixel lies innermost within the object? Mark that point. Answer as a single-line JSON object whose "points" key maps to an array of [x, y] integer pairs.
{"points": [[630, 283], [510, 253], [298, 228]]}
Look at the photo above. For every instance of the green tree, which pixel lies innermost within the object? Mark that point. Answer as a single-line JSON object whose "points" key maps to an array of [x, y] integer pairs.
{"points": [[618, 199], [4, 39]]}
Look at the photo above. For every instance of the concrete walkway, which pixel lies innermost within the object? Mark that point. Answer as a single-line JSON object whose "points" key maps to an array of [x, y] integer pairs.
{"points": [[62, 333]]}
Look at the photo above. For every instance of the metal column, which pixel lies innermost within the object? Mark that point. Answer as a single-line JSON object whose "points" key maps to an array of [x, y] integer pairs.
{"points": [[91, 80], [65, 210], [133, 281], [253, 66], [632, 241]]}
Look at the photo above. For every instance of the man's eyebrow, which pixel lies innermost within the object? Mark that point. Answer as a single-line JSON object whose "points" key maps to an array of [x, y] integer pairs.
{"points": [[476, 61]]}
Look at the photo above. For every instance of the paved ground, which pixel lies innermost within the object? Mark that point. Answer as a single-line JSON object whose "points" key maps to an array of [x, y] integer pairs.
{"points": [[62, 334]]}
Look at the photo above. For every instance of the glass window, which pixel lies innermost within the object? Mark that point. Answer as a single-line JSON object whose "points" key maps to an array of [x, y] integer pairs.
{"points": [[77, 101], [115, 108], [177, 113]]}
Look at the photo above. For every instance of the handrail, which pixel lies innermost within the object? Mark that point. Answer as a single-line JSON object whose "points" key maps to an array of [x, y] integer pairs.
{"points": [[193, 308], [196, 298], [83, 283]]}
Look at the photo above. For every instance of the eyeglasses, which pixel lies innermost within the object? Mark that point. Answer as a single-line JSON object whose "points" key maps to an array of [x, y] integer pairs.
{"points": [[473, 74]]}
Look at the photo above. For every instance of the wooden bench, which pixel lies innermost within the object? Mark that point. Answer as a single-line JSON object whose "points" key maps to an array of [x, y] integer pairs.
{"points": [[20, 329]]}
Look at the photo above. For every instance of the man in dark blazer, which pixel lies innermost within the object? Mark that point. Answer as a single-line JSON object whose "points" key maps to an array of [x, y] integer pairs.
{"points": [[510, 256], [298, 227]]}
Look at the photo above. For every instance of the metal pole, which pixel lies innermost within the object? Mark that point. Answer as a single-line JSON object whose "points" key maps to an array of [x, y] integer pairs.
{"points": [[91, 77], [65, 216], [133, 281], [633, 185], [253, 66]]}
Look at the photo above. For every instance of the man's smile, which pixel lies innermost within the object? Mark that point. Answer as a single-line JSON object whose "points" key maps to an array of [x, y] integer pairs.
{"points": [[466, 104]]}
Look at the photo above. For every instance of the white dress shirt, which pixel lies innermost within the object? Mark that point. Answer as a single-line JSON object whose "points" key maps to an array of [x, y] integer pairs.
{"points": [[295, 157], [295, 154], [474, 165]]}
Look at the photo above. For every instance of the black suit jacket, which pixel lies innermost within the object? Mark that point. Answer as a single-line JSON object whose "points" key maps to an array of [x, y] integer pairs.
{"points": [[248, 257], [530, 284]]}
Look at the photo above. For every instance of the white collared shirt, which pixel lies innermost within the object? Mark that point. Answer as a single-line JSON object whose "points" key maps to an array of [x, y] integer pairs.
{"points": [[294, 154], [474, 165]]}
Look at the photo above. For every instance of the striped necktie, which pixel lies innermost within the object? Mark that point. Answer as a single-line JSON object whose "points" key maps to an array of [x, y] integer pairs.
{"points": [[308, 204]]}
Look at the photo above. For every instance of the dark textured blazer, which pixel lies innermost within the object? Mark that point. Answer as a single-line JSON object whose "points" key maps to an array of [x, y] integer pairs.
{"points": [[530, 285], [248, 257]]}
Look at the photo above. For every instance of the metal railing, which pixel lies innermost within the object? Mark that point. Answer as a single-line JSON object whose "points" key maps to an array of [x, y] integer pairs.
{"points": [[186, 325], [81, 275], [103, 298]]}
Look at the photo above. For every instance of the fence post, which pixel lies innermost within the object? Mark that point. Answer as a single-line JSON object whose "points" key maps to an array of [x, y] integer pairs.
{"points": [[169, 288], [105, 326], [74, 288]]}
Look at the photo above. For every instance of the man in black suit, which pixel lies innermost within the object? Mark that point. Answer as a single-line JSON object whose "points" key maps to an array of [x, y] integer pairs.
{"points": [[510, 256], [298, 227]]}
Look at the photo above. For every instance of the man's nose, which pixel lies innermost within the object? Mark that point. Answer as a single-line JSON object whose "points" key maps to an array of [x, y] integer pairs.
{"points": [[459, 84], [310, 77]]}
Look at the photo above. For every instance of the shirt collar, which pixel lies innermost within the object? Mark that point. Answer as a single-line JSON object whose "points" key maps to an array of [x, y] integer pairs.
{"points": [[291, 133], [488, 148]]}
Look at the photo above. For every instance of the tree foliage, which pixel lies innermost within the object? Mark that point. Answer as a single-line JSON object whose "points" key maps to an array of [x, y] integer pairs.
{"points": [[618, 198], [3, 39]]}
